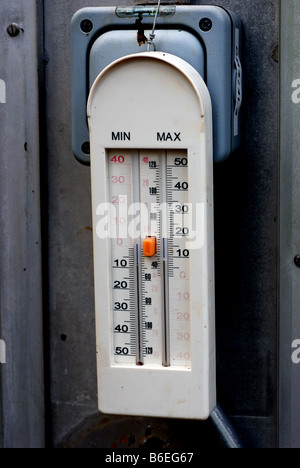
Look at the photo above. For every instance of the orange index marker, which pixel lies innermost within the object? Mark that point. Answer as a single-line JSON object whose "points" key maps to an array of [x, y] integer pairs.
{"points": [[149, 246]]}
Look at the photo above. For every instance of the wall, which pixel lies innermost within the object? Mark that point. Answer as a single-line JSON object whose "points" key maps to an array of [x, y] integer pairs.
{"points": [[289, 291], [246, 255], [21, 312]]}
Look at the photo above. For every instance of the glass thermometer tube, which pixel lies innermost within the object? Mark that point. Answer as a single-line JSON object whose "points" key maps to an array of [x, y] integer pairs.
{"points": [[150, 294]]}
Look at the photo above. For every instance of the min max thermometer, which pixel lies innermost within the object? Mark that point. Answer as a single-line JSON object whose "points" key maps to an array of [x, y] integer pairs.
{"points": [[150, 122]]}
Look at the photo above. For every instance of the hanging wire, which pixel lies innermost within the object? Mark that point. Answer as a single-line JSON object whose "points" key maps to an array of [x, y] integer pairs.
{"points": [[152, 35]]}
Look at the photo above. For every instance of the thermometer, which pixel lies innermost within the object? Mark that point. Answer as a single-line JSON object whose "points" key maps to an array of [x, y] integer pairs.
{"points": [[150, 259], [150, 123]]}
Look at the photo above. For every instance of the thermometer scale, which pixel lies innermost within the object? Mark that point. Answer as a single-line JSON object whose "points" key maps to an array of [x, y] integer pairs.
{"points": [[150, 122], [150, 259]]}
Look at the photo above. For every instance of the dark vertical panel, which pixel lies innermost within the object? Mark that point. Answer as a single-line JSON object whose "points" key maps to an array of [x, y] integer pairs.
{"points": [[246, 205], [289, 285], [22, 379]]}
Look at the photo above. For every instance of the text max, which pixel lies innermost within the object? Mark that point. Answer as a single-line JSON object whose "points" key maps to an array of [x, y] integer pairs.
{"points": [[160, 136]]}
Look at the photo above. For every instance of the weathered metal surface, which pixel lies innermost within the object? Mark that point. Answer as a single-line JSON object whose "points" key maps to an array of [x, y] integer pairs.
{"points": [[246, 249], [289, 273], [102, 431], [22, 377]]}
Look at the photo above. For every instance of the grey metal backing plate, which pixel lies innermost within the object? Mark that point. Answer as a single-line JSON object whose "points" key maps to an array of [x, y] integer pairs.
{"points": [[218, 46]]}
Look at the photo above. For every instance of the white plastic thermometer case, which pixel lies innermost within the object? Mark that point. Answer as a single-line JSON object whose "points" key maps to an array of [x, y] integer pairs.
{"points": [[154, 104]]}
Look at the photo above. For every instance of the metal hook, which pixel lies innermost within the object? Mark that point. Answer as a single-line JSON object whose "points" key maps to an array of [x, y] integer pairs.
{"points": [[151, 43], [152, 35]]}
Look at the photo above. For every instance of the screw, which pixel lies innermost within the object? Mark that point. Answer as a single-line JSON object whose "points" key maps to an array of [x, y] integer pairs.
{"points": [[13, 30], [297, 261], [86, 147], [86, 26], [206, 24]]}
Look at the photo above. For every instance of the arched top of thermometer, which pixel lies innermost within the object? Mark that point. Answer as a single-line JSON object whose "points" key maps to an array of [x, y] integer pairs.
{"points": [[150, 121], [189, 72]]}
